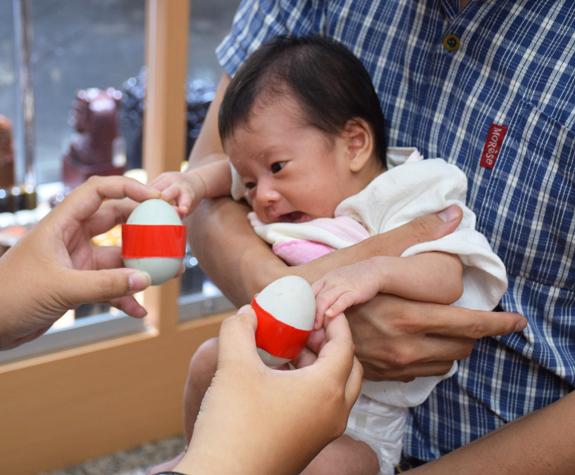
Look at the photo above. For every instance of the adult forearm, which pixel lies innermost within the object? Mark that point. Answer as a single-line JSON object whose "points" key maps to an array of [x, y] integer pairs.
{"points": [[241, 264], [539, 443]]}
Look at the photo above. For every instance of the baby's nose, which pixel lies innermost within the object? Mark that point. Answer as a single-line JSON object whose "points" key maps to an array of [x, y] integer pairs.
{"points": [[267, 194]]}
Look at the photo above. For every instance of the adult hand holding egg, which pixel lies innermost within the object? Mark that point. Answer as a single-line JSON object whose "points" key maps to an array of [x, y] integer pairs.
{"points": [[54, 268], [269, 421]]}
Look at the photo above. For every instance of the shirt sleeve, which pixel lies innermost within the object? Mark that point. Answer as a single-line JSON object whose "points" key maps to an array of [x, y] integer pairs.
{"points": [[256, 21]]}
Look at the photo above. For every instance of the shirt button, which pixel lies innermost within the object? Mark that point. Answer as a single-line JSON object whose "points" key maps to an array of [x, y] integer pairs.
{"points": [[451, 43]]}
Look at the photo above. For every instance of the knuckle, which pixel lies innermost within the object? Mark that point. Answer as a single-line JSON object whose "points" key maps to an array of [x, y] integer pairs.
{"points": [[230, 322], [94, 179], [96, 182], [444, 369], [477, 330], [406, 322], [421, 228], [400, 357], [465, 351], [113, 286], [333, 395], [352, 346], [340, 427], [244, 318]]}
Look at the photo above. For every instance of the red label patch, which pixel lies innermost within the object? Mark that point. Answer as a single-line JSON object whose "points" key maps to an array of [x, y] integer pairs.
{"points": [[141, 241], [276, 337], [492, 145]]}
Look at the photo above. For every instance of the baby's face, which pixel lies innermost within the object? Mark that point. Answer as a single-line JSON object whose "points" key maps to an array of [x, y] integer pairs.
{"points": [[294, 172]]}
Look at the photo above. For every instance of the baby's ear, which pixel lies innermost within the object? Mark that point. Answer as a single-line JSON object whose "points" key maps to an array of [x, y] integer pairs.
{"points": [[360, 143]]}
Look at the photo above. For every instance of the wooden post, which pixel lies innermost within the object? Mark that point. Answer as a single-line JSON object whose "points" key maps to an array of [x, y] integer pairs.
{"points": [[165, 121]]}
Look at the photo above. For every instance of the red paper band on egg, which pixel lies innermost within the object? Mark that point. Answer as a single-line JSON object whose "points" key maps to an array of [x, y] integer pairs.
{"points": [[157, 240], [278, 338]]}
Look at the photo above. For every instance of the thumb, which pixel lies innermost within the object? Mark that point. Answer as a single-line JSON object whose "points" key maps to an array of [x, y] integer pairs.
{"points": [[103, 285], [434, 226], [237, 340], [452, 214]]}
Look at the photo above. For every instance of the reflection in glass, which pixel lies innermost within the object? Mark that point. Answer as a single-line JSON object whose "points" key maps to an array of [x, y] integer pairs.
{"points": [[77, 45], [209, 24], [99, 45]]}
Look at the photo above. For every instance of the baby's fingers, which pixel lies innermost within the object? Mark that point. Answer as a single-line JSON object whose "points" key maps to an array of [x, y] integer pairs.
{"points": [[318, 323], [161, 182], [172, 192], [182, 198], [185, 204], [334, 301], [321, 305], [317, 286], [342, 303]]}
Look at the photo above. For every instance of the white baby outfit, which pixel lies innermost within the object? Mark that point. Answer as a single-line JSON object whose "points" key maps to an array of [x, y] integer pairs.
{"points": [[412, 187]]}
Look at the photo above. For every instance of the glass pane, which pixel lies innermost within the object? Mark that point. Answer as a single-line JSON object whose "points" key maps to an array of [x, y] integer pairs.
{"points": [[8, 99], [93, 46], [210, 22], [8, 73], [79, 45], [76, 45], [98, 46]]}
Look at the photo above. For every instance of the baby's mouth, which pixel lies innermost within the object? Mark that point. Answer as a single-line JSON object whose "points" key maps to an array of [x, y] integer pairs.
{"points": [[294, 217]]}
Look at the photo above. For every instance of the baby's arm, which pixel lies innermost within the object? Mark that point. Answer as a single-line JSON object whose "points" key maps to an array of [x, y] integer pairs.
{"points": [[360, 282], [191, 187]]}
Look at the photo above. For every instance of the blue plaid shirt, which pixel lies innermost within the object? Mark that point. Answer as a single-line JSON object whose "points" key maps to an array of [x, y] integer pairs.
{"points": [[510, 63]]}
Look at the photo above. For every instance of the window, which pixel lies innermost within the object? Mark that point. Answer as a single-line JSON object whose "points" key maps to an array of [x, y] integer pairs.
{"points": [[99, 47]]}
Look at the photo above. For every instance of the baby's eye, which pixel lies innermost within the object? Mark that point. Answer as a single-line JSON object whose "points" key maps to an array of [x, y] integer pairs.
{"points": [[250, 185], [277, 166]]}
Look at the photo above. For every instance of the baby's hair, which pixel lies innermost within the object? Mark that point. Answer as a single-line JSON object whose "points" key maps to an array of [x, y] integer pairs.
{"points": [[329, 83]]}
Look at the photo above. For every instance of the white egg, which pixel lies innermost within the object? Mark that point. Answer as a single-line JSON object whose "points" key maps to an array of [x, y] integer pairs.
{"points": [[154, 213], [291, 301]]}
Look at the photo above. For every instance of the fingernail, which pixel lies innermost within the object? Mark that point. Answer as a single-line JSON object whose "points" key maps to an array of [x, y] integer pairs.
{"points": [[139, 281], [521, 325], [450, 214]]}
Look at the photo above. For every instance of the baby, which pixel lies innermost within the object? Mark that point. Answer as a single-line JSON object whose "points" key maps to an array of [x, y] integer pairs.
{"points": [[304, 133]]}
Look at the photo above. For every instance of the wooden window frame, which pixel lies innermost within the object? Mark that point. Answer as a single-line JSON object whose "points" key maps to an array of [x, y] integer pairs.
{"points": [[63, 408]]}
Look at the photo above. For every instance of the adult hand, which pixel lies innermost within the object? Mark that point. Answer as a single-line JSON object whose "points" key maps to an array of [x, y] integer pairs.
{"points": [[53, 268], [258, 420], [398, 339]]}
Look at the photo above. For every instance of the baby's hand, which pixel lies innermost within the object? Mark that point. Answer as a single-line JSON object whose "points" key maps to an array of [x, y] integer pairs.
{"points": [[341, 288], [184, 188]]}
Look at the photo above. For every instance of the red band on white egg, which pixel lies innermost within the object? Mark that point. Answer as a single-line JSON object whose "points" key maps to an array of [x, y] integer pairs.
{"points": [[158, 240], [278, 338]]}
